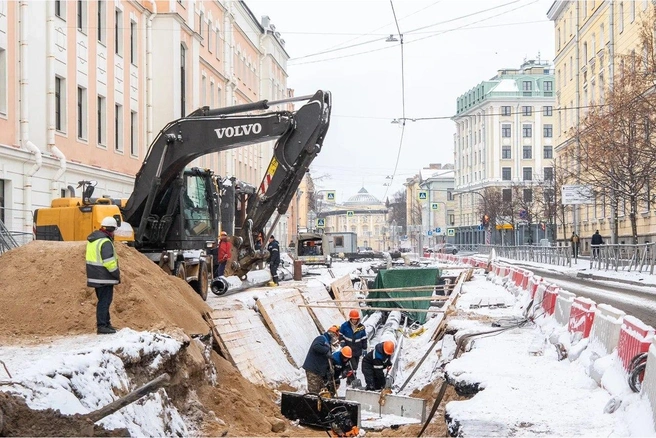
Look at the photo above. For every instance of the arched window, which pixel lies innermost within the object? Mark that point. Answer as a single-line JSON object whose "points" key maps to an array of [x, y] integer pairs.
{"points": [[183, 103]]}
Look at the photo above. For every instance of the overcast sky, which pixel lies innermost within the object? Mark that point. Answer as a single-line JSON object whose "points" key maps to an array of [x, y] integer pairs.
{"points": [[450, 46]]}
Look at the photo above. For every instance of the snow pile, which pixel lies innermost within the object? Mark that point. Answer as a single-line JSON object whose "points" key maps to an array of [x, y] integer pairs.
{"points": [[81, 374]]}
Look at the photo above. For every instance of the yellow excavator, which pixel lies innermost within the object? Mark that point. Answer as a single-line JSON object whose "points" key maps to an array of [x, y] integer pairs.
{"points": [[174, 213]]}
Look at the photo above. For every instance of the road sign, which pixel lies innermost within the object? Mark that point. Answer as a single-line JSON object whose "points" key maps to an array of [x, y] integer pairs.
{"points": [[330, 196], [438, 230], [422, 195], [350, 213], [430, 232], [577, 194], [451, 232], [481, 228], [321, 222], [435, 206]]}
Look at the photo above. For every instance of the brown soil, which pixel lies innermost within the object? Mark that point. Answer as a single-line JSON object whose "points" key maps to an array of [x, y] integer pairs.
{"points": [[44, 293], [17, 419]]}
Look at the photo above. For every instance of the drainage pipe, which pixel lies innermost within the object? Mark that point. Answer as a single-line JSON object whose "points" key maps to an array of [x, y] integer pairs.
{"points": [[50, 98], [149, 74], [223, 285]]}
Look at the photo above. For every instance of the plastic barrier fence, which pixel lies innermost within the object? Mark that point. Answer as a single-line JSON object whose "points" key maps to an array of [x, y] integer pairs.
{"points": [[649, 382], [635, 337], [605, 333], [582, 316], [549, 300], [564, 302]]}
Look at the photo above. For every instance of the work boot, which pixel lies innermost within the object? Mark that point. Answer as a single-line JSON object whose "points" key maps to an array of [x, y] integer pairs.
{"points": [[106, 330], [112, 327]]}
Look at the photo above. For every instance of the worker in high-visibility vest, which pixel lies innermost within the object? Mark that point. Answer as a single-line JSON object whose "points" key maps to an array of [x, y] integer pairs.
{"points": [[103, 271]]}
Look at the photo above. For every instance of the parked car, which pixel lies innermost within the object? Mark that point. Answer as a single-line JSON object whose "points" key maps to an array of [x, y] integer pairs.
{"points": [[365, 250], [446, 248]]}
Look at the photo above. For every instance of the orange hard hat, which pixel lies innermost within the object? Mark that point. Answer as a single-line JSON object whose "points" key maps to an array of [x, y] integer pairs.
{"points": [[333, 329], [354, 314], [347, 352], [223, 233], [388, 347]]}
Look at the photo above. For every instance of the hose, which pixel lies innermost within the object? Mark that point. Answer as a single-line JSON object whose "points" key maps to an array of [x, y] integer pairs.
{"points": [[636, 370]]}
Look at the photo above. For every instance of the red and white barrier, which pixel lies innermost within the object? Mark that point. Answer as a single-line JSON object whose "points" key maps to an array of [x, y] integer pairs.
{"points": [[635, 337], [564, 301], [581, 316], [549, 299], [605, 333]]}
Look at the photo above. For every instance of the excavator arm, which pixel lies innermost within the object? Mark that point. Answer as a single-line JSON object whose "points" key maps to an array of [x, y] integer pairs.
{"points": [[299, 136]]}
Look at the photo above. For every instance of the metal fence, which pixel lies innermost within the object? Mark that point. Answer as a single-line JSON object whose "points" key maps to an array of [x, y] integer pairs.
{"points": [[13, 239], [553, 255], [616, 257]]}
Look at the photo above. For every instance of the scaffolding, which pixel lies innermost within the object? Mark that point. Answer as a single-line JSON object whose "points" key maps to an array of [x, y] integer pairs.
{"points": [[7, 241]]}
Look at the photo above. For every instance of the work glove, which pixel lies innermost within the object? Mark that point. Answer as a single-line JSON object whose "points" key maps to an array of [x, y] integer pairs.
{"points": [[349, 374]]}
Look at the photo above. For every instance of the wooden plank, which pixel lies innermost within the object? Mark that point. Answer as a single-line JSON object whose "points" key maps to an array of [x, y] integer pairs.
{"points": [[381, 308], [369, 300], [323, 318], [290, 324], [250, 346], [217, 338], [342, 289]]}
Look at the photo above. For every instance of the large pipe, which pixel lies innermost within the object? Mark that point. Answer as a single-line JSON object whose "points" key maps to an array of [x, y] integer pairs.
{"points": [[149, 75], [50, 98], [222, 285]]}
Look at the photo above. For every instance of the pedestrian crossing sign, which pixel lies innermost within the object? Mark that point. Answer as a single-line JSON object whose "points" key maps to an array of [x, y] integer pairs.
{"points": [[321, 222], [350, 213], [434, 206], [422, 195], [451, 232], [330, 196]]}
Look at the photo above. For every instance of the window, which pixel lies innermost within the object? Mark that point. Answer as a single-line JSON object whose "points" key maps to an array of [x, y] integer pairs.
{"points": [[2, 200], [203, 91], [527, 88], [118, 35], [449, 194], [102, 120], [201, 17], [182, 81], [505, 110], [101, 21], [506, 195], [81, 113], [620, 18], [527, 111], [134, 134], [59, 107], [505, 131], [547, 111], [528, 195], [133, 43], [528, 173], [60, 9], [3, 81], [118, 127], [527, 152], [548, 174], [506, 174], [548, 88], [547, 152], [633, 9], [527, 131], [548, 131], [506, 153], [81, 14]]}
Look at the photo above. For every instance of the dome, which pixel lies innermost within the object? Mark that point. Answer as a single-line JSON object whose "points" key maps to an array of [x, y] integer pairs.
{"points": [[362, 198]]}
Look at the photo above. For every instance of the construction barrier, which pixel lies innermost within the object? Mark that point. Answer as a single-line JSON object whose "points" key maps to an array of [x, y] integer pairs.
{"points": [[649, 382], [526, 276], [581, 316], [564, 301], [635, 337], [606, 326], [549, 300]]}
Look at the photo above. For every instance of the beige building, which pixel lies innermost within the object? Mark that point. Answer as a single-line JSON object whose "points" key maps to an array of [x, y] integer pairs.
{"points": [[590, 36], [504, 139], [86, 86]]}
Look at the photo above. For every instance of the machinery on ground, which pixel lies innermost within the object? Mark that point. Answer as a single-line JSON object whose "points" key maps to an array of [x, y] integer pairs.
{"points": [[312, 249], [175, 212]]}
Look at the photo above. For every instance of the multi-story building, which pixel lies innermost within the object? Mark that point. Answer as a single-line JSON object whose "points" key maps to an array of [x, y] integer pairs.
{"points": [[504, 139], [430, 206], [86, 86], [590, 38], [363, 214]]}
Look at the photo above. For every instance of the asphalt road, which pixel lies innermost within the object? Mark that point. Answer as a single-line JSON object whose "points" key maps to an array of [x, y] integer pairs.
{"points": [[638, 301]]}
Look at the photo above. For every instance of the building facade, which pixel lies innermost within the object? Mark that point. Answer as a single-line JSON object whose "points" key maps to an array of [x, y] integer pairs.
{"points": [[504, 139], [590, 39], [86, 87]]}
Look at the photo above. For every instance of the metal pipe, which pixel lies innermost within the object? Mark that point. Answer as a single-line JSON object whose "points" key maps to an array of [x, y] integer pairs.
{"points": [[222, 285], [149, 75], [50, 98]]}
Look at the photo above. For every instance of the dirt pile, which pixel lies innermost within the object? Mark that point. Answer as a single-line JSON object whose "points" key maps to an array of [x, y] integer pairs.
{"points": [[43, 292]]}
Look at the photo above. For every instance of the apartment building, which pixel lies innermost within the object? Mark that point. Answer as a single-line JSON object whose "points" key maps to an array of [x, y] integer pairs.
{"points": [[590, 38], [504, 139], [85, 87]]}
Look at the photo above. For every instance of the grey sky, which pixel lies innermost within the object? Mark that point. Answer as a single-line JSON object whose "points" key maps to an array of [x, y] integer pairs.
{"points": [[441, 62]]}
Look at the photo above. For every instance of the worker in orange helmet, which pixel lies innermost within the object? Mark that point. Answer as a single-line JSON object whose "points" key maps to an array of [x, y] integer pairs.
{"points": [[352, 333], [341, 368], [374, 364], [318, 360]]}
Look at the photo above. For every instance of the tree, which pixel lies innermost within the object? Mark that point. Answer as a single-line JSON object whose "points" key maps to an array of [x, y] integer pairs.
{"points": [[397, 209], [490, 205]]}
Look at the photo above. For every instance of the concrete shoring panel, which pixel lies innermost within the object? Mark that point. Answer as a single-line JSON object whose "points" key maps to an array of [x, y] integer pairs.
{"points": [[402, 406], [342, 289], [323, 317], [291, 325], [250, 346]]}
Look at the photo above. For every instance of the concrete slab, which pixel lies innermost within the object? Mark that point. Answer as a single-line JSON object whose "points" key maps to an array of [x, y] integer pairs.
{"points": [[398, 405], [342, 289], [323, 317], [250, 346], [291, 325]]}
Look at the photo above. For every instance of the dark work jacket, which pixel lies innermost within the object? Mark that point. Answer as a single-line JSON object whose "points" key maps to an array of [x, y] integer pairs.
{"points": [[356, 339], [377, 359], [317, 357], [341, 365], [596, 239], [274, 253]]}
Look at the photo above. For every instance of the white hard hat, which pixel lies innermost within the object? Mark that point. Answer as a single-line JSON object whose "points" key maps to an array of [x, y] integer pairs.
{"points": [[109, 222]]}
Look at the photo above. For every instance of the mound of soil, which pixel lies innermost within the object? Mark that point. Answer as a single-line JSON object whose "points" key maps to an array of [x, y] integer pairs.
{"points": [[44, 293]]}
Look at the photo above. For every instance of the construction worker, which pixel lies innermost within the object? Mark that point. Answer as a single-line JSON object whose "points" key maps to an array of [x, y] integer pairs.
{"points": [[341, 368], [316, 365], [353, 334], [103, 271], [374, 364], [223, 254], [274, 259]]}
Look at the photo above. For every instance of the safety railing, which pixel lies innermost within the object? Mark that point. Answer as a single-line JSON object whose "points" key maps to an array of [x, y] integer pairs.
{"points": [[616, 257], [552, 255]]}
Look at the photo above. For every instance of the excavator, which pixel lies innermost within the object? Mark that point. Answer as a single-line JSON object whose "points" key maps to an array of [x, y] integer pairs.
{"points": [[174, 213]]}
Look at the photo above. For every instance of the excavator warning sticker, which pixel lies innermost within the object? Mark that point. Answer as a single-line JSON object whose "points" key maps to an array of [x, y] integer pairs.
{"points": [[273, 165]]}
